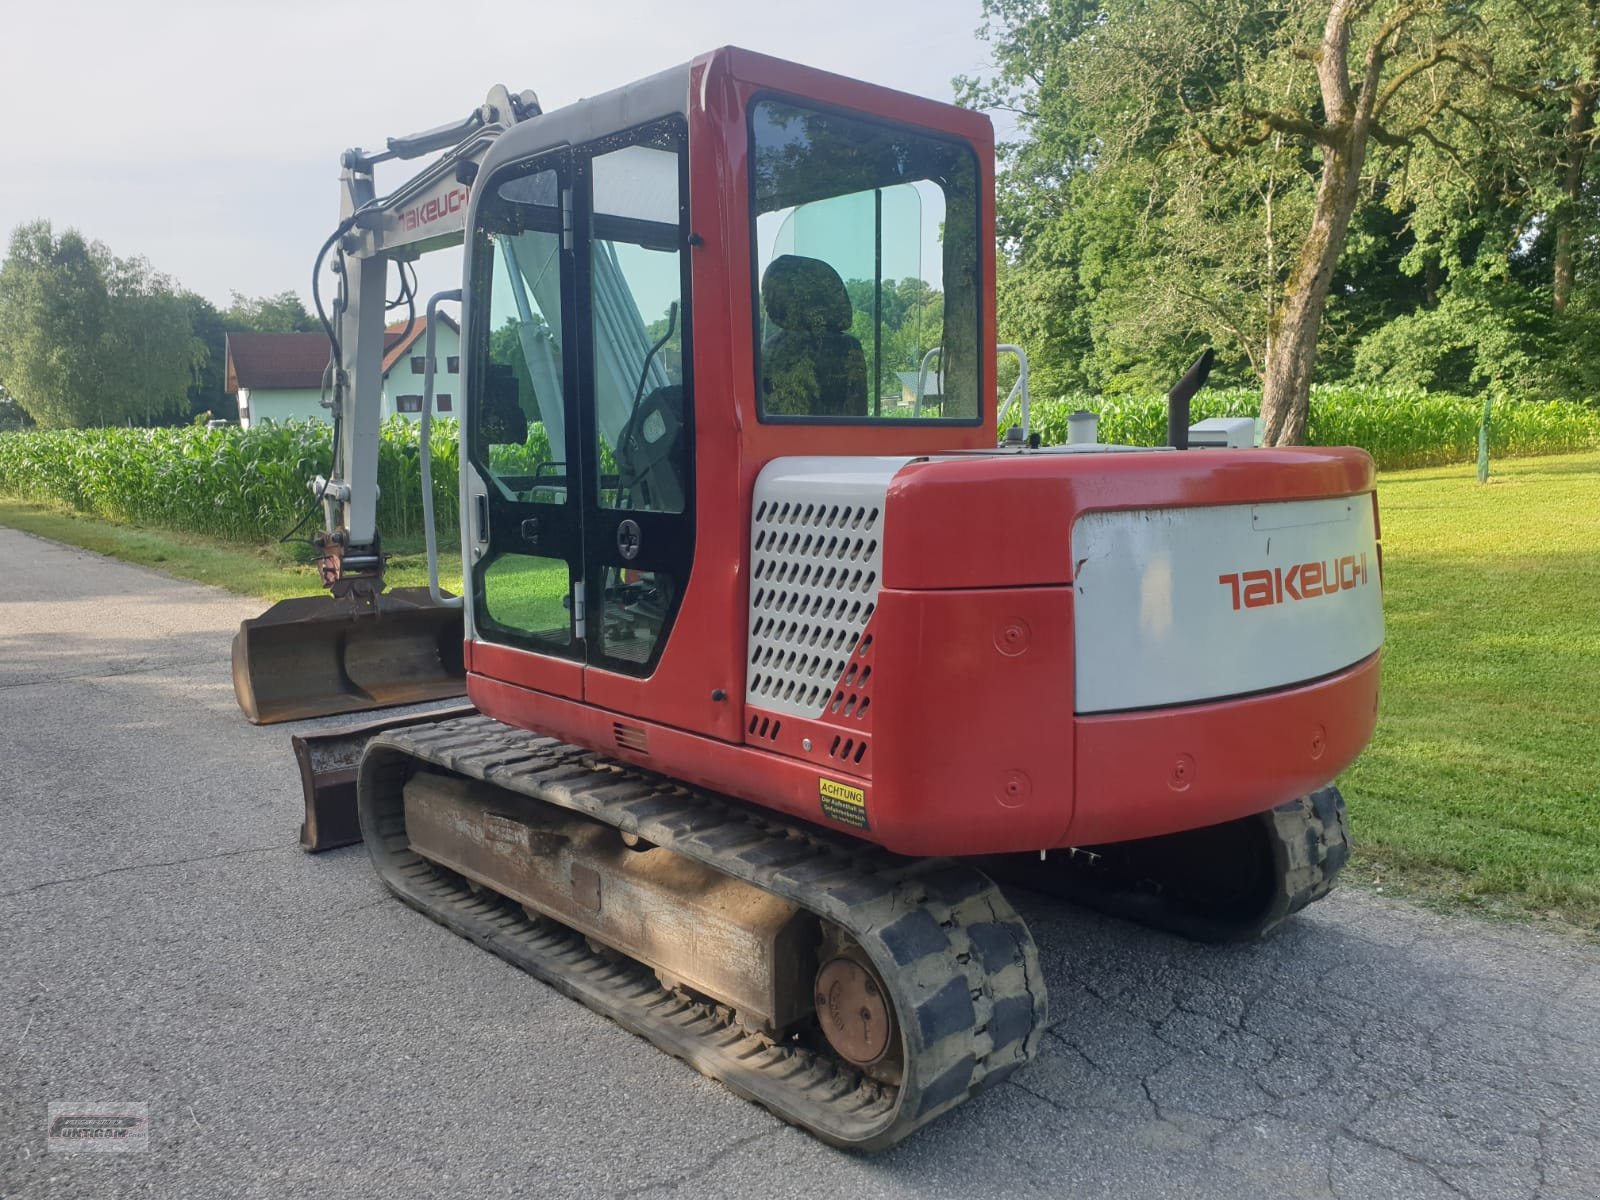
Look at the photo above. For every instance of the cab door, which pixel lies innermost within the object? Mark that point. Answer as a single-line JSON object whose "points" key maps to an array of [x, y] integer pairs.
{"points": [[580, 424], [523, 449], [636, 419]]}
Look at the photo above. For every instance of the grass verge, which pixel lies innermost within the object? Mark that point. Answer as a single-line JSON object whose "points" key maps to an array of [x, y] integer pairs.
{"points": [[1480, 787], [270, 571]]}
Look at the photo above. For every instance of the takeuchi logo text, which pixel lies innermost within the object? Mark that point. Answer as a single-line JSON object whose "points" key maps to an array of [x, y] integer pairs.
{"points": [[432, 210], [1303, 581]]}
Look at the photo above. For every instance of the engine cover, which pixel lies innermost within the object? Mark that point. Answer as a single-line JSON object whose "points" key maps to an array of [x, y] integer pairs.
{"points": [[1176, 605]]}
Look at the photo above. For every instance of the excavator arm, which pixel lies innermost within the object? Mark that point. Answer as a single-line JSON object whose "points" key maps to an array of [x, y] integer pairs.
{"points": [[362, 646]]}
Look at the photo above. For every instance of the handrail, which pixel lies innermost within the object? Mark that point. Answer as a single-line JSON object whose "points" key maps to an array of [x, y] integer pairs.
{"points": [[427, 456], [922, 369], [1018, 389]]}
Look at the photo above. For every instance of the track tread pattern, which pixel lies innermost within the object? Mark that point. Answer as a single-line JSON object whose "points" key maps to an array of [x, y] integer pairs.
{"points": [[1308, 839], [970, 1011]]}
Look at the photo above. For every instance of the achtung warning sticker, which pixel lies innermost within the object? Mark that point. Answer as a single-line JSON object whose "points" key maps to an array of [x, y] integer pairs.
{"points": [[843, 803]]}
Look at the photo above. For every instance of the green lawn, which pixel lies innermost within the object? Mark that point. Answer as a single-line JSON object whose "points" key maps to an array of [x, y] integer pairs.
{"points": [[1483, 781], [1482, 785], [522, 592]]}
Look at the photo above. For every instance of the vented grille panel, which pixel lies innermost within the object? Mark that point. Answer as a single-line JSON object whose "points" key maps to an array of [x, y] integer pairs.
{"points": [[816, 565], [765, 727], [631, 737], [852, 694]]}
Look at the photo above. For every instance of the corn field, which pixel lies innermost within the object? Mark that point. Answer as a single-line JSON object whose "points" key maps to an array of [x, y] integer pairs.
{"points": [[250, 485], [242, 485], [1398, 429]]}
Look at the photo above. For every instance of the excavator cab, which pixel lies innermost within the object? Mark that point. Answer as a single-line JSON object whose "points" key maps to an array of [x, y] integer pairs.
{"points": [[604, 247]]}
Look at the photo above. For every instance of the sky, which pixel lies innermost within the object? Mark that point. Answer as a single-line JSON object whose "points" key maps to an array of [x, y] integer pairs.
{"points": [[205, 136]]}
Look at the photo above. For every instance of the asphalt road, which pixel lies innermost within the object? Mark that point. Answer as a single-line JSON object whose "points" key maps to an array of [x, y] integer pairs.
{"points": [[296, 1032]]}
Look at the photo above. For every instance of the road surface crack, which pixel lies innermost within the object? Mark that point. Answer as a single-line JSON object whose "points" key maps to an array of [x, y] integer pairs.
{"points": [[144, 667], [676, 1181], [176, 862]]}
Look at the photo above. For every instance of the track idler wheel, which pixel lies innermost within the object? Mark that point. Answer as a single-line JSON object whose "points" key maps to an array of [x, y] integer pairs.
{"points": [[855, 1012]]}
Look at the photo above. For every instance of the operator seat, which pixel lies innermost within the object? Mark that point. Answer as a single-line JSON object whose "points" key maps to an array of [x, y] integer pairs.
{"points": [[810, 365], [649, 452]]}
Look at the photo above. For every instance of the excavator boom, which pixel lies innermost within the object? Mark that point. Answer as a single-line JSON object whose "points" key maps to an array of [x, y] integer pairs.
{"points": [[362, 647]]}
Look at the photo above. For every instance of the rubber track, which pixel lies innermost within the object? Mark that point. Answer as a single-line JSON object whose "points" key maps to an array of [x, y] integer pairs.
{"points": [[1309, 842], [960, 966]]}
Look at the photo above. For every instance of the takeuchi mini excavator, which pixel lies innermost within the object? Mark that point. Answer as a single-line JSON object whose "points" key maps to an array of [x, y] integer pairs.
{"points": [[779, 651]]}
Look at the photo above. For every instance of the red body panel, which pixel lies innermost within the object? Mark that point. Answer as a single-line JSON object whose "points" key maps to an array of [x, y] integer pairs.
{"points": [[964, 741], [1003, 520], [1146, 773], [558, 676], [761, 776], [1073, 781], [974, 710]]}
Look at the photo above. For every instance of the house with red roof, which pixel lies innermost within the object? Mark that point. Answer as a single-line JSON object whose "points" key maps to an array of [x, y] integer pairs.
{"points": [[278, 377]]}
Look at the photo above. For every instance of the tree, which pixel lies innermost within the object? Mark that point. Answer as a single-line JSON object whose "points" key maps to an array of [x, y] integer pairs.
{"points": [[53, 313], [90, 339], [206, 393], [282, 313], [1572, 82], [1248, 131], [150, 354], [1501, 207]]}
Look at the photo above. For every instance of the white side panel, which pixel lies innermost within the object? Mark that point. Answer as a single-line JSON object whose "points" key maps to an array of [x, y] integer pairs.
{"points": [[816, 554], [1187, 604]]}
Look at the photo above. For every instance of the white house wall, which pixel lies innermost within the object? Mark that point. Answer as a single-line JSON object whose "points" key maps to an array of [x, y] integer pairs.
{"points": [[279, 405], [402, 380], [301, 404]]}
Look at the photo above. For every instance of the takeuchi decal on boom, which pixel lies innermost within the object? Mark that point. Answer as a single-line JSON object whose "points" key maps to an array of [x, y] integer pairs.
{"points": [[1303, 581], [432, 210]]}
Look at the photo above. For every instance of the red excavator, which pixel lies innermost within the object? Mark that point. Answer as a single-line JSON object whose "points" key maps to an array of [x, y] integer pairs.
{"points": [[778, 651]]}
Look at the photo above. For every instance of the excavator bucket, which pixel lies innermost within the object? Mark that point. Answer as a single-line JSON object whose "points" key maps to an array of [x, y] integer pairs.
{"points": [[315, 656]]}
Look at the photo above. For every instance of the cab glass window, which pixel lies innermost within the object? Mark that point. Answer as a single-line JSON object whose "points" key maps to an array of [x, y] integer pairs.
{"points": [[636, 278], [518, 424], [867, 269]]}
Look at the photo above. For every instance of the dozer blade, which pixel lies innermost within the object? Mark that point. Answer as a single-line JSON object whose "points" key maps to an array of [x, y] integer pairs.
{"points": [[329, 760], [316, 656]]}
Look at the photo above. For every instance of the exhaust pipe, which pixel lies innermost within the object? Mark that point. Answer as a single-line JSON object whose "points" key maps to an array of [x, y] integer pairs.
{"points": [[1178, 400]]}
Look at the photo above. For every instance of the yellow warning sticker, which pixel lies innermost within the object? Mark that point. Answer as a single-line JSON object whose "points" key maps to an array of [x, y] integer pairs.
{"points": [[843, 803]]}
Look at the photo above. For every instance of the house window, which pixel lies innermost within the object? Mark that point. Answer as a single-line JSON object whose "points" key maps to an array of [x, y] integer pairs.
{"points": [[444, 402], [419, 363], [453, 364], [408, 404]]}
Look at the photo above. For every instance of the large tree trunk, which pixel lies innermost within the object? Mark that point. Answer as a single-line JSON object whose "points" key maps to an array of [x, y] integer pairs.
{"points": [[1580, 124], [1292, 332], [1292, 335]]}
